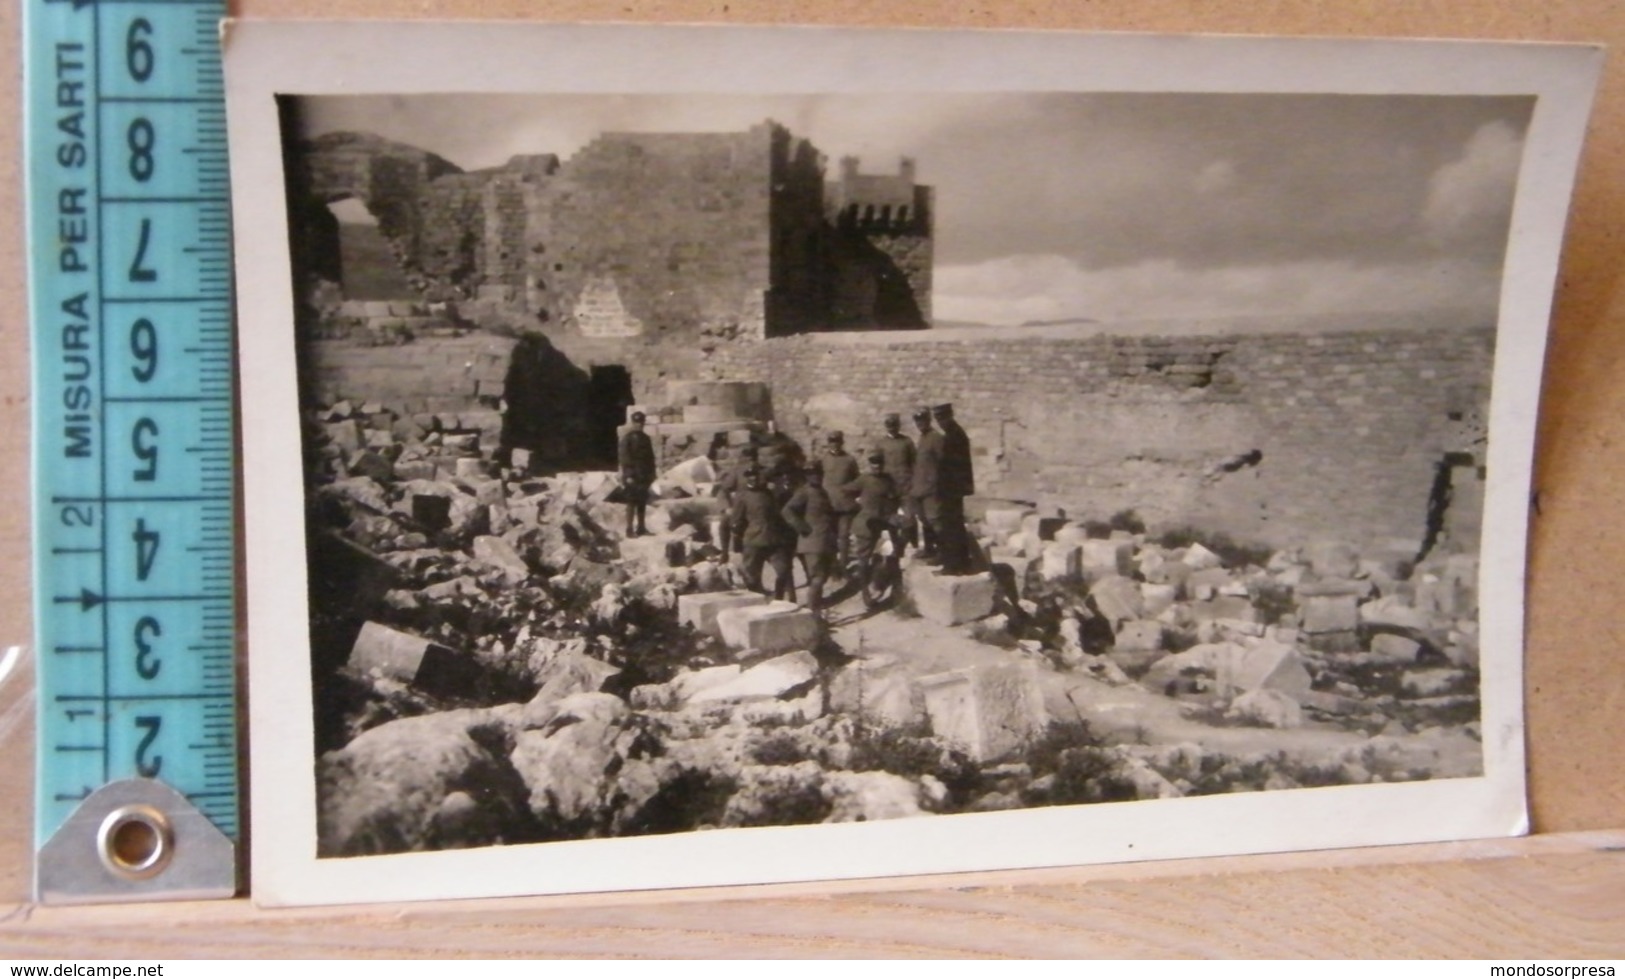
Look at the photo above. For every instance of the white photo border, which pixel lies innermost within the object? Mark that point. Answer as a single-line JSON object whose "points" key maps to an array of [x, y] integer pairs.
{"points": [[265, 59]]}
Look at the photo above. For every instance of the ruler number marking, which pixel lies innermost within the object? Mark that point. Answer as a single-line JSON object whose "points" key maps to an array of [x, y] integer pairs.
{"points": [[146, 668], [151, 724], [144, 348], [142, 139], [138, 55], [146, 549], [146, 450], [138, 271], [78, 516]]}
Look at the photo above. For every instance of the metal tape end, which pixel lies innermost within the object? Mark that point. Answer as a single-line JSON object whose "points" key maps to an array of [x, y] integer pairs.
{"points": [[135, 840]]}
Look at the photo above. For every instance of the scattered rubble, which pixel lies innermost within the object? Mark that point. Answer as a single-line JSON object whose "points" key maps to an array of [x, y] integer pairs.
{"points": [[496, 663]]}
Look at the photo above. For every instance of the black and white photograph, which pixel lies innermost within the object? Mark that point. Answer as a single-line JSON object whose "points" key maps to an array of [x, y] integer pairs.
{"points": [[687, 464]]}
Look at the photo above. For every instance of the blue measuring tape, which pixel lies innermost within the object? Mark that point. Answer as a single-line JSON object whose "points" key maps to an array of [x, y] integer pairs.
{"points": [[130, 299]]}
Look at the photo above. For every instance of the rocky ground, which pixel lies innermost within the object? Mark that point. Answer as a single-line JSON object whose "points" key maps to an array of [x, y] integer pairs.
{"points": [[493, 663]]}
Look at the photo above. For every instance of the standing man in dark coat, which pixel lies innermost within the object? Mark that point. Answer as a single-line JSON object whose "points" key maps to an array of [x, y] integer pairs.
{"points": [[922, 492], [840, 471], [956, 479], [761, 535], [636, 454], [811, 512], [878, 501], [728, 487], [781, 455], [897, 461]]}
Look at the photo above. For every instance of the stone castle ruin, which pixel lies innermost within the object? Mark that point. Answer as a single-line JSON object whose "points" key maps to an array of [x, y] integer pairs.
{"points": [[724, 280], [1237, 560]]}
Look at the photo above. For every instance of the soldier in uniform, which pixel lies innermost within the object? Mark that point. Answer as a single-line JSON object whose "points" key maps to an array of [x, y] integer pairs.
{"points": [[878, 500], [636, 455], [781, 455], [812, 514], [728, 487], [922, 494], [897, 454], [956, 480], [840, 471], [761, 535]]}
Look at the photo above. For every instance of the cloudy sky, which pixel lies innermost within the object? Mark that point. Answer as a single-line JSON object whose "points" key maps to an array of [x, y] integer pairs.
{"points": [[1110, 207]]}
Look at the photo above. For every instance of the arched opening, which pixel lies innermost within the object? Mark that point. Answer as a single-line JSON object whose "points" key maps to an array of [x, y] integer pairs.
{"points": [[368, 268]]}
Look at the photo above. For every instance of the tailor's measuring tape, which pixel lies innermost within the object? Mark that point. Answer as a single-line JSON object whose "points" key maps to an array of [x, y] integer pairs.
{"points": [[136, 793]]}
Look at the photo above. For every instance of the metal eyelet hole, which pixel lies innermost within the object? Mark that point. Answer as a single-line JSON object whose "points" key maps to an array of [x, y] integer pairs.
{"points": [[135, 842]]}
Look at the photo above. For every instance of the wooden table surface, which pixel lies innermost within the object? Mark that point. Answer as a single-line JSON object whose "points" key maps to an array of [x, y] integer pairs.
{"points": [[1558, 894]]}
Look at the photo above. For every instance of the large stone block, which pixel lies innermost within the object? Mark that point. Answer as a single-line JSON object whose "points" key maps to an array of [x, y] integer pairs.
{"points": [[1400, 649], [773, 627], [1106, 557], [654, 552], [1209, 583], [1061, 562], [991, 711], [700, 611], [1330, 587], [1072, 533], [1117, 598], [390, 653], [1332, 559], [1392, 611], [1141, 636], [1040, 528], [1156, 598], [1263, 665], [773, 678], [881, 689], [498, 553], [1002, 522], [1330, 613], [704, 414], [1225, 607], [950, 599]]}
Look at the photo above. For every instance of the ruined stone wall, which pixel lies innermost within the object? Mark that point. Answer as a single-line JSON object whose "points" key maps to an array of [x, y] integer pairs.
{"points": [[641, 235], [446, 262], [502, 252], [908, 245], [1276, 438], [427, 209]]}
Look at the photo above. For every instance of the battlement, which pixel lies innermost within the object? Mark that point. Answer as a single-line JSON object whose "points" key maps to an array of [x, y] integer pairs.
{"points": [[878, 202]]}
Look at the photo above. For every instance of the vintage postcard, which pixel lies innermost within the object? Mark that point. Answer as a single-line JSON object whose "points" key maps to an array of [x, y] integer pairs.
{"points": [[694, 456]]}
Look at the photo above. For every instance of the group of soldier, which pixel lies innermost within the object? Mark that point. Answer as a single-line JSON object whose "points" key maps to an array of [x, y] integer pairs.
{"points": [[827, 510], [831, 513]]}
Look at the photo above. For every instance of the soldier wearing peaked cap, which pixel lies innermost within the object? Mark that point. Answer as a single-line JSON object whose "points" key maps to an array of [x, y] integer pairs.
{"points": [[812, 513], [761, 535], [878, 499], [636, 455], [897, 461], [728, 486], [956, 479], [840, 471]]}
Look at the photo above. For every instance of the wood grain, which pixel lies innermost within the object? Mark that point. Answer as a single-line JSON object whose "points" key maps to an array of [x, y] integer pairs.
{"points": [[1555, 895]]}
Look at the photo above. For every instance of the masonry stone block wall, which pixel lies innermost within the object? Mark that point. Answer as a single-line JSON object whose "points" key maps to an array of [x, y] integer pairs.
{"points": [[1278, 438], [424, 375], [654, 237]]}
